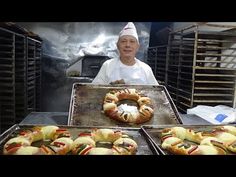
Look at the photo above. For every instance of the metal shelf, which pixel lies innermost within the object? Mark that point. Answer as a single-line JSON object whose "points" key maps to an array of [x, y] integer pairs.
{"points": [[20, 70], [201, 65]]}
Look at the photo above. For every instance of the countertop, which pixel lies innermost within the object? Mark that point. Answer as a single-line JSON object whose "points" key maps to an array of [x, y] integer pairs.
{"points": [[60, 118]]}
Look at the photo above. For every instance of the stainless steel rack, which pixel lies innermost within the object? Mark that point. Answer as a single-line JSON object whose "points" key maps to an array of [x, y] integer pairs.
{"points": [[197, 66], [201, 67], [20, 76], [157, 60]]}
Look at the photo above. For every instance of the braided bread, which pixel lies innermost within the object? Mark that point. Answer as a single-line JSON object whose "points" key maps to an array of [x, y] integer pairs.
{"points": [[114, 142], [93, 142], [143, 114], [219, 141], [22, 143]]}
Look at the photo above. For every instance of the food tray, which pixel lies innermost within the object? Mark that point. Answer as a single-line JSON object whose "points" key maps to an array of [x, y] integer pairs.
{"points": [[87, 103], [153, 134], [144, 147]]}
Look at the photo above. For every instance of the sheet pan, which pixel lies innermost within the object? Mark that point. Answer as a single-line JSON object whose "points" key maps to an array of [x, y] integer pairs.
{"points": [[153, 134], [144, 147], [87, 101]]}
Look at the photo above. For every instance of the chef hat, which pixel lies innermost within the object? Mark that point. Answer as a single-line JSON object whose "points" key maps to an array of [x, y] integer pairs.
{"points": [[130, 30]]}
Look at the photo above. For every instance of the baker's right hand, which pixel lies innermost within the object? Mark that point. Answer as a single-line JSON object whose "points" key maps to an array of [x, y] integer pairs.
{"points": [[121, 81]]}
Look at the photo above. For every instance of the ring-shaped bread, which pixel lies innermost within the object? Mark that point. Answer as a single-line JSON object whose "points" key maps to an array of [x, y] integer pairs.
{"points": [[104, 142], [22, 143], [218, 141], [143, 114]]}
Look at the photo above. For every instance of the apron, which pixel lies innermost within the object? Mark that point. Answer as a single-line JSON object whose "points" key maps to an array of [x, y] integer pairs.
{"points": [[131, 74]]}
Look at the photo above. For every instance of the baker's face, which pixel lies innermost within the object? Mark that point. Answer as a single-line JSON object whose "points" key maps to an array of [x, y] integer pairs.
{"points": [[128, 46]]}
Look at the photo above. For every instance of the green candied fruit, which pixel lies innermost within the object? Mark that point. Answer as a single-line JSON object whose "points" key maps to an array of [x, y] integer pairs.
{"points": [[112, 92], [234, 145], [185, 145]]}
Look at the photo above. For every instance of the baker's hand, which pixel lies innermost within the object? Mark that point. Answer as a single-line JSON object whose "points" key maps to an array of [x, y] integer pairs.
{"points": [[118, 82]]}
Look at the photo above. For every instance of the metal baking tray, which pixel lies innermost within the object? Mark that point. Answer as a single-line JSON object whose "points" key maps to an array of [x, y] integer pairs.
{"points": [[87, 102], [144, 146], [153, 134]]}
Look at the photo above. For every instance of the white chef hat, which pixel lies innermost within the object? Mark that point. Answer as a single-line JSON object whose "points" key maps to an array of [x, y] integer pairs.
{"points": [[130, 30]]}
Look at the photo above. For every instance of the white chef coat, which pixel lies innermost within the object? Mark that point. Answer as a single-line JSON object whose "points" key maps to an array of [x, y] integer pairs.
{"points": [[113, 69]]}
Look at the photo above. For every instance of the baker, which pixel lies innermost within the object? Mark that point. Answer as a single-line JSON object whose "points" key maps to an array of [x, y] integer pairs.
{"points": [[126, 69]]}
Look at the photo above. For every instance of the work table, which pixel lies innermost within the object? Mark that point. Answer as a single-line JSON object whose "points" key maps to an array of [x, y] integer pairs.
{"points": [[61, 118]]}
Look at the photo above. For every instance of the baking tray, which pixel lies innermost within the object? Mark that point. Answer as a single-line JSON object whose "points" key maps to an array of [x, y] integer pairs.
{"points": [[87, 102], [144, 146], [153, 134]]}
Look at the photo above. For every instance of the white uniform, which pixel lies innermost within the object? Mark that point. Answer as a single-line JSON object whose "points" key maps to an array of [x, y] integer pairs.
{"points": [[138, 74]]}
